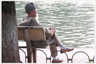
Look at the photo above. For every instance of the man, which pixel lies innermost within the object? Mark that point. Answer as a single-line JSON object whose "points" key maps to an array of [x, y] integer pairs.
{"points": [[51, 36]]}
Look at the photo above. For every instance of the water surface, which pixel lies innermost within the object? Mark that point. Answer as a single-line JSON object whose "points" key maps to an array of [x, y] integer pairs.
{"points": [[73, 21]]}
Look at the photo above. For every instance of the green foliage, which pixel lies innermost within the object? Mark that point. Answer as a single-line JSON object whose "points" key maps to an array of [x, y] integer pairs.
{"points": [[89, 62]]}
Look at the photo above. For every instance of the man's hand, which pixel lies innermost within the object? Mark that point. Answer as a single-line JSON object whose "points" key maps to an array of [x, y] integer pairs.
{"points": [[53, 29]]}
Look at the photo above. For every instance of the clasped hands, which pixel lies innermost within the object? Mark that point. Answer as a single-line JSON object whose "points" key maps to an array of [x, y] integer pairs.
{"points": [[52, 29]]}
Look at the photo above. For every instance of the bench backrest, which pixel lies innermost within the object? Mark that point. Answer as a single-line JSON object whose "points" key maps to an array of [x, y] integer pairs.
{"points": [[36, 33]]}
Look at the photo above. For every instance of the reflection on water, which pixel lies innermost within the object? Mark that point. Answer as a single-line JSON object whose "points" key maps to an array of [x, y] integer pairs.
{"points": [[74, 21]]}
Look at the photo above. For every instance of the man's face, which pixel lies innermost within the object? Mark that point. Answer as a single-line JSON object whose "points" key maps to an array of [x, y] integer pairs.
{"points": [[34, 13]]}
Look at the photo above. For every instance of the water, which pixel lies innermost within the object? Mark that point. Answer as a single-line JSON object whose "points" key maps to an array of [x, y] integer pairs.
{"points": [[73, 21]]}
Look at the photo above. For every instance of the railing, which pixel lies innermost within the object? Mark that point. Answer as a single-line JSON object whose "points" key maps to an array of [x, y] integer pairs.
{"points": [[71, 59]]}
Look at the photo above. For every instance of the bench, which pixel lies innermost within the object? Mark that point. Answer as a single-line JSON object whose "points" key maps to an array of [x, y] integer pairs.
{"points": [[34, 36]]}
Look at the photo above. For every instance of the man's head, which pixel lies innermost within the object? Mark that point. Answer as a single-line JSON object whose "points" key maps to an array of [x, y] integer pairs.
{"points": [[30, 9]]}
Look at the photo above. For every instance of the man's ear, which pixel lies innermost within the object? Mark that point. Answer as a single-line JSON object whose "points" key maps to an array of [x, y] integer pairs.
{"points": [[30, 14]]}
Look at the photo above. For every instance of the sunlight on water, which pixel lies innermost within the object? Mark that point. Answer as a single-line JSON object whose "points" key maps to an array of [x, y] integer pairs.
{"points": [[73, 21]]}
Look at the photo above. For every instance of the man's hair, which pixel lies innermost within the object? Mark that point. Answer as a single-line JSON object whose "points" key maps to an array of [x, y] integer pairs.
{"points": [[28, 12]]}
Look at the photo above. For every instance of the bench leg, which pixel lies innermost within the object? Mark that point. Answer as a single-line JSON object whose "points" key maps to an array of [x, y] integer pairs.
{"points": [[34, 55], [28, 43], [29, 56]]}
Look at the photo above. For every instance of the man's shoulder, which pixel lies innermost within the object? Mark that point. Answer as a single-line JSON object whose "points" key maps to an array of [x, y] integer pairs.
{"points": [[27, 19]]}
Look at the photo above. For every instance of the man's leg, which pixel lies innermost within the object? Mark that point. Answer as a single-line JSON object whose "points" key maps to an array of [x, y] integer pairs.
{"points": [[59, 43], [53, 49]]}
